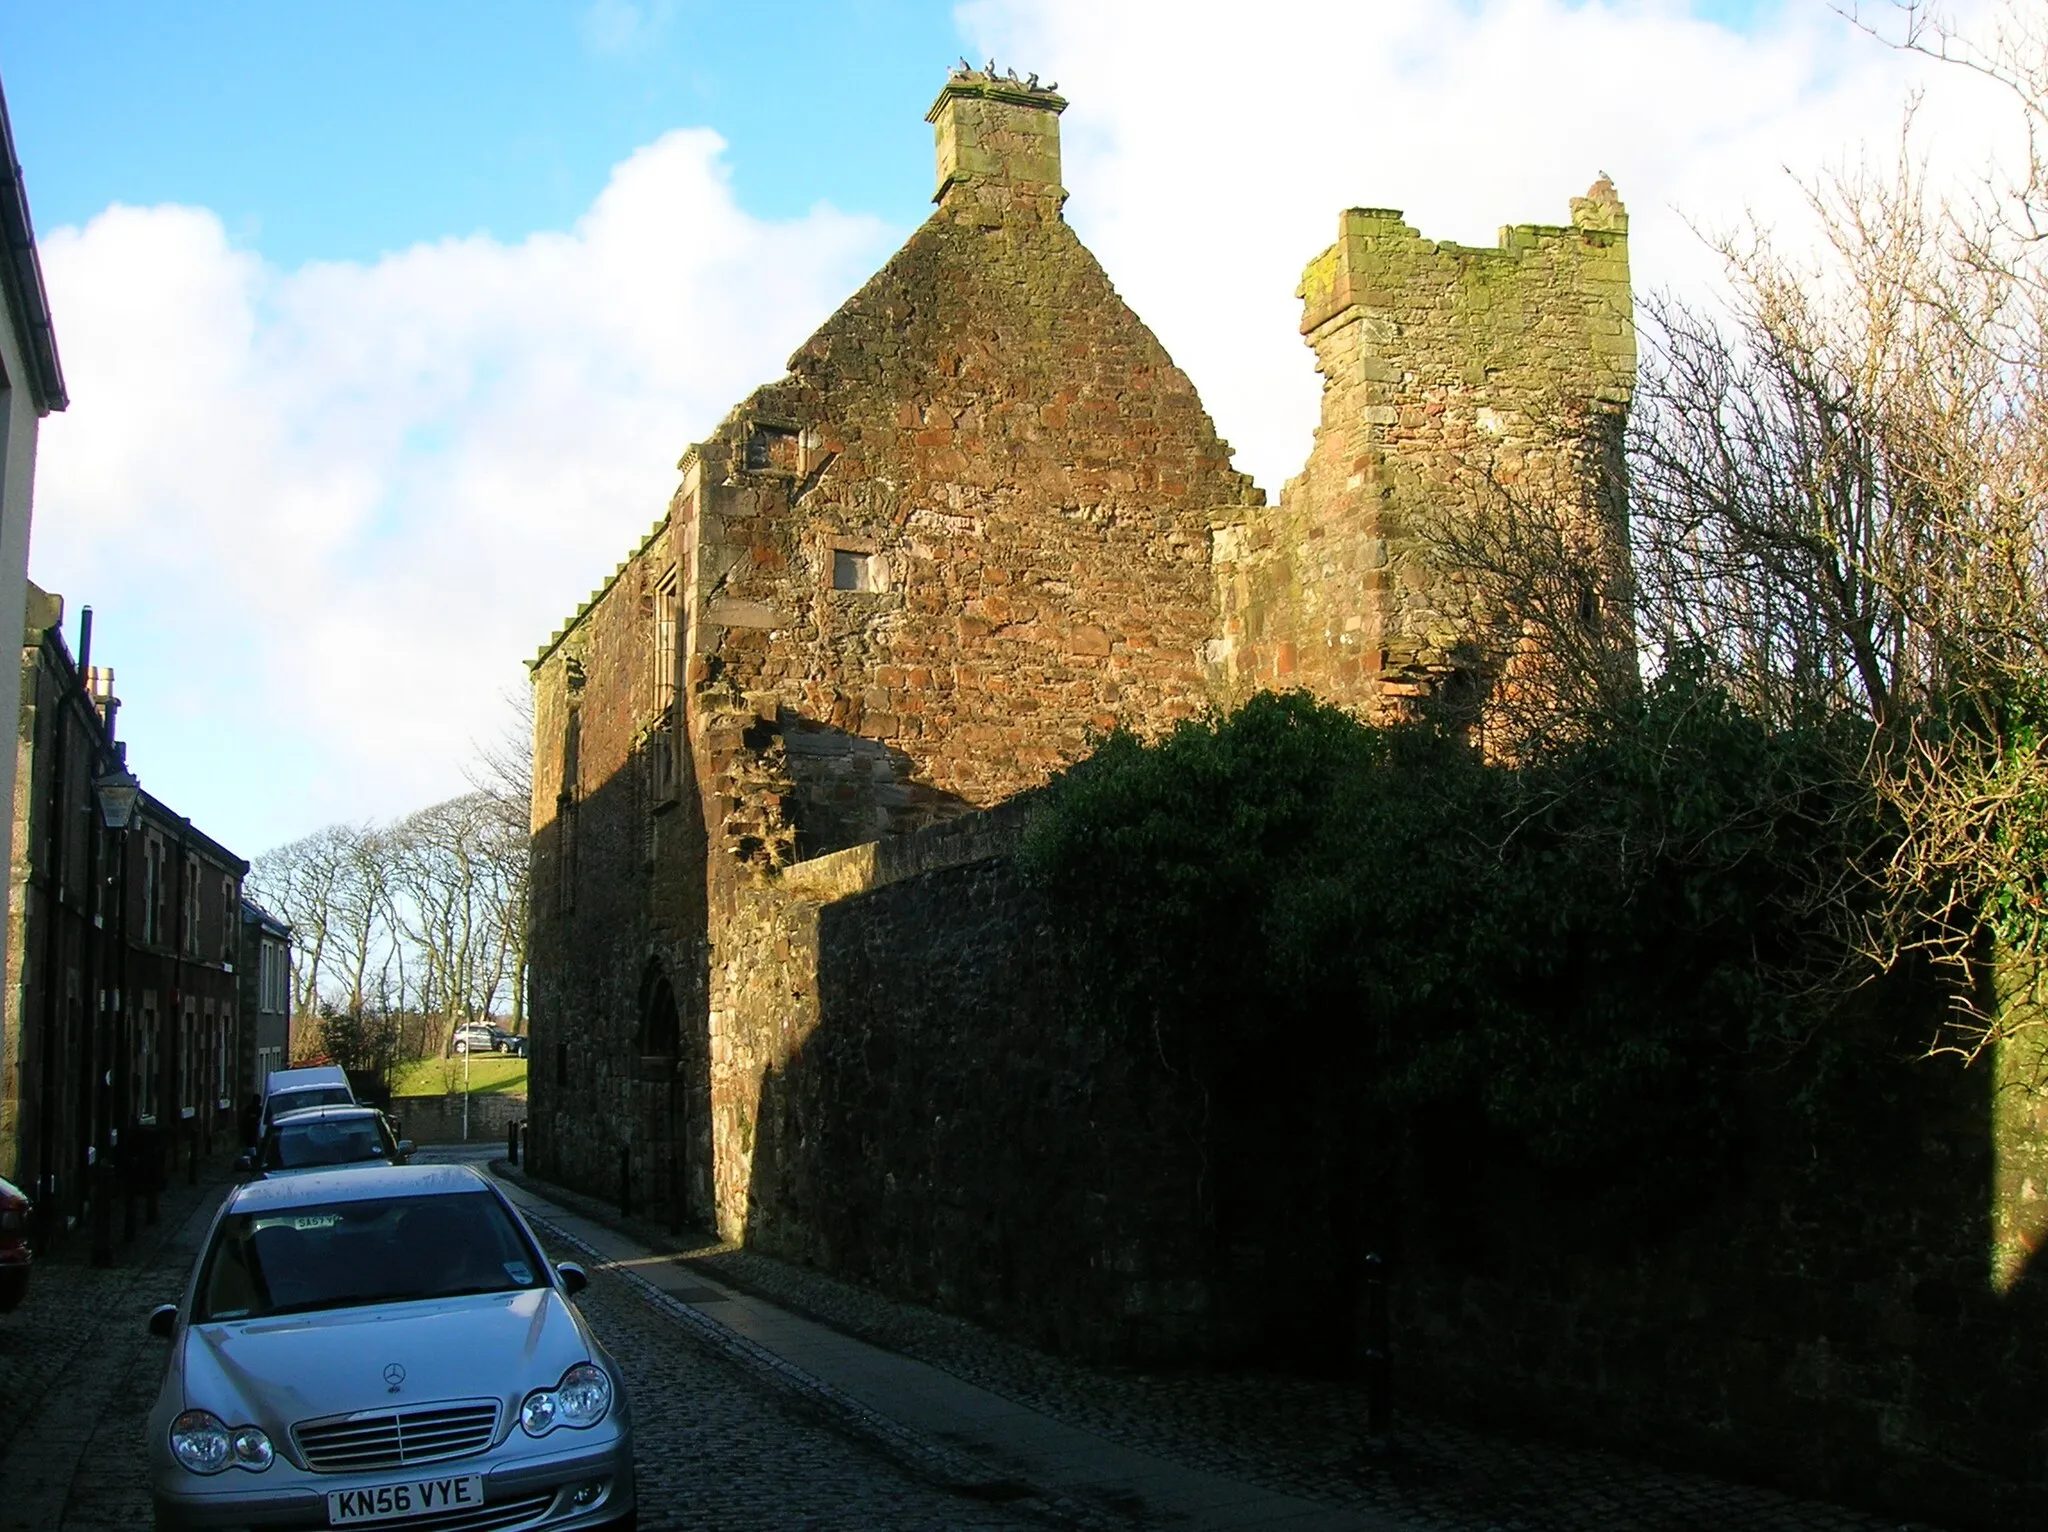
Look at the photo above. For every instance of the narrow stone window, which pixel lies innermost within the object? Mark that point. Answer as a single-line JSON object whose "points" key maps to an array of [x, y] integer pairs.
{"points": [[1589, 608], [666, 637], [565, 852], [856, 571], [561, 1063]]}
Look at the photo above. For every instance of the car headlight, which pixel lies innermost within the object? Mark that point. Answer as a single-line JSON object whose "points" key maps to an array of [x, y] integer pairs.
{"points": [[203, 1443], [582, 1398], [252, 1449]]}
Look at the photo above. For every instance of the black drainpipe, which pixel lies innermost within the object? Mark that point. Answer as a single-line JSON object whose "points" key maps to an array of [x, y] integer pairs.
{"points": [[53, 947]]}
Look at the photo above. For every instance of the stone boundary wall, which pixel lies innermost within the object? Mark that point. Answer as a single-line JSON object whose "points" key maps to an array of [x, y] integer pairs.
{"points": [[937, 1126], [1859, 1320], [438, 1119]]}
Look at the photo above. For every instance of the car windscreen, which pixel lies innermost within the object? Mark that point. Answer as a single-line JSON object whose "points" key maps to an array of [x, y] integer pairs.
{"points": [[342, 1254], [300, 1100], [326, 1141]]}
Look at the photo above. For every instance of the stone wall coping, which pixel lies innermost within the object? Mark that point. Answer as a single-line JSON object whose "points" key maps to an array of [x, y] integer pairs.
{"points": [[980, 836], [576, 618]]}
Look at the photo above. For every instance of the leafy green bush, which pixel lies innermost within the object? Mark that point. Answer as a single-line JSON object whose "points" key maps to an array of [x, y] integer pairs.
{"points": [[1371, 932]]}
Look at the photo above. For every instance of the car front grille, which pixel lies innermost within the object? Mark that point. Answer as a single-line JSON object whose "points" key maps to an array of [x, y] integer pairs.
{"points": [[370, 1439]]}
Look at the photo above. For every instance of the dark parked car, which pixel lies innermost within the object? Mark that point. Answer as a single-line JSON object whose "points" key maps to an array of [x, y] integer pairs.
{"points": [[487, 1037], [326, 1138], [15, 1255], [479, 1037]]}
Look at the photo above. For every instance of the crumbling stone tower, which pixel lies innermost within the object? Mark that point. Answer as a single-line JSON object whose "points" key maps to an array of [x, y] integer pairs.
{"points": [[1461, 388]]}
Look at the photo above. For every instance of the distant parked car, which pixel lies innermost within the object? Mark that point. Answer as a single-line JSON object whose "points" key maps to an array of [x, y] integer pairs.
{"points": [[15, 1255], [515, 1044], [479, 1037], [385, 1347], [326, 1138]]}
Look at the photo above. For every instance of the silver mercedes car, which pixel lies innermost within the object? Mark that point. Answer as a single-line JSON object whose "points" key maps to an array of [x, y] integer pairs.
{"points": [[385, 1347]]}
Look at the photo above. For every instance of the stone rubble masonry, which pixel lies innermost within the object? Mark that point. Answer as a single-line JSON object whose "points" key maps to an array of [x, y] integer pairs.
{"points": [[967, 532], [981, 519], [787, 981], [1457, 384]]}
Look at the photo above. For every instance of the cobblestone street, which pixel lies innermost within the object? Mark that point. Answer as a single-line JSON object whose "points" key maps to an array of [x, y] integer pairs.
{"points": [[722, 1444], [78, 1373]]}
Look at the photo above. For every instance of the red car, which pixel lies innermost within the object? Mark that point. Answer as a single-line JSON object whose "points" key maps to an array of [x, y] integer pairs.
{"points": [[15, 1256]]}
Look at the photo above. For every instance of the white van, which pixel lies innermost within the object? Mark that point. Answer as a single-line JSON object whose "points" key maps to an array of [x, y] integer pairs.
{"points": [[294, 1090]]}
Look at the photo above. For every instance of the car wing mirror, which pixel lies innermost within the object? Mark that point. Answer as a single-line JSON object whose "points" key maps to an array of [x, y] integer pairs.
{"points": [[405, 1147], [163, 1320], [245, 1162], [574, 1278]]}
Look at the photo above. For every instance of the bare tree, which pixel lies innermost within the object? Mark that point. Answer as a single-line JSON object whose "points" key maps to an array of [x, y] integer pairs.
{"points": [[457, 905], [503, 775], [1838, 497], [1837, 506]]}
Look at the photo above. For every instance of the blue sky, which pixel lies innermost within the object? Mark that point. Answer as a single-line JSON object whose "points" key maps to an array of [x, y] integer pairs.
{"points": [[342, 131], [385, 323]]}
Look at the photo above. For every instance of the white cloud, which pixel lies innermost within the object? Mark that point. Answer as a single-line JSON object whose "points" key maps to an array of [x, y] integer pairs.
{"points": [[1210, 145], [323, 514]]}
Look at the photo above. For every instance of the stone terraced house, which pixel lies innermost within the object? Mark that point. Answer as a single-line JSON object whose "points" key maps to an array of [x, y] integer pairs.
{"points": [[981, 518]]}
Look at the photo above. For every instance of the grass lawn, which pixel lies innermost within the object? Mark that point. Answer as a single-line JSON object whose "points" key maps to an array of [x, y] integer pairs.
{"points": [[434, 1077]]}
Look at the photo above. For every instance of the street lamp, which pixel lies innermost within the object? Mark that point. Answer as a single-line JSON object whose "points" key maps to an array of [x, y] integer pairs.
{"points": [[116, 792]]}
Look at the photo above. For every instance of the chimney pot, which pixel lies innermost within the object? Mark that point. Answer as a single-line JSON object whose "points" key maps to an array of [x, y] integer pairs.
{"points": [[998, 141]]}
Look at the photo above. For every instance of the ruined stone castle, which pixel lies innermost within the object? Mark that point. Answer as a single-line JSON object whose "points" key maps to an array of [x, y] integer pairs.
{"points": [[982, 518]]}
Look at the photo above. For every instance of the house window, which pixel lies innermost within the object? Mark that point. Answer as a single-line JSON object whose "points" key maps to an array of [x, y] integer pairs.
{"points": [[153, 890], [188, 1062], [223, 1032], [852, 570], [270, 989], [148, 1064], [191, 911], [230, 909]]}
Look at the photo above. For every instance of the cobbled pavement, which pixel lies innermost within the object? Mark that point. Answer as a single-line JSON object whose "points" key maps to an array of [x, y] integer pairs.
{"points": [[1293, 1435], [716, 1448]]}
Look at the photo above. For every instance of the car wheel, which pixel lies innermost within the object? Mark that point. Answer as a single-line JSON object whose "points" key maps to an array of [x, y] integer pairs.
{"points": [[461, 1046]]}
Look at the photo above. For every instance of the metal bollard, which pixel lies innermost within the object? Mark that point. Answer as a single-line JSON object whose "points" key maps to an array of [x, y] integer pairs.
{"points": [[625, 1181], [1378, 1354]]}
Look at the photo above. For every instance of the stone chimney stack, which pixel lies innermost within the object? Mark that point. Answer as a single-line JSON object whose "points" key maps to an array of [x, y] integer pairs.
{"points": [[998, 142]]}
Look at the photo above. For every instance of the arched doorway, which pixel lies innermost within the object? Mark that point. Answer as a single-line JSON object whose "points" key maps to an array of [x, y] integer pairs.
{"points": [[664, 1103]]}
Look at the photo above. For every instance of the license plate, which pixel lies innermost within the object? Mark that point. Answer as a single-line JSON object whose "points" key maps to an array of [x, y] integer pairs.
{"points": [[414, 1497]]}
